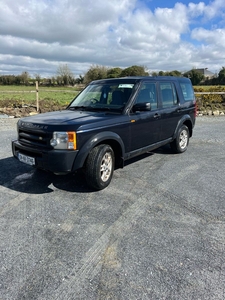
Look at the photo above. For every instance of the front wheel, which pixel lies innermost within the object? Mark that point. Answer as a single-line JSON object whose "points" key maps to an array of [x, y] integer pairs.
{"points": [[99, 167], [180, 144]]}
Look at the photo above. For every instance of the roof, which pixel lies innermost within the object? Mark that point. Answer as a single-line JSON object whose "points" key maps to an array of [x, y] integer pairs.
{"points": [[140, 78]]}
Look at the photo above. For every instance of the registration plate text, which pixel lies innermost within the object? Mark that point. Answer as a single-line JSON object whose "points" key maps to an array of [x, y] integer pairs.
{"points": [[26, 159]]}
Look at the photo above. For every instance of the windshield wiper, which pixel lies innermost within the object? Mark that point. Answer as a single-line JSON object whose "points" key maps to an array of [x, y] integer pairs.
{"points": [[95, 108], [77, 107], [99, 107], [104, 108]]}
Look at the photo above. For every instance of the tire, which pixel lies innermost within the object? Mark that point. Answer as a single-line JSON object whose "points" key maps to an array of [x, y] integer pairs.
{"points": [[99, 167], [180, 144]]}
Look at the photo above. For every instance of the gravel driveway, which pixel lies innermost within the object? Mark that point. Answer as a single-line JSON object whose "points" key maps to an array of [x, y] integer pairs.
{"points": [[157, 232]]}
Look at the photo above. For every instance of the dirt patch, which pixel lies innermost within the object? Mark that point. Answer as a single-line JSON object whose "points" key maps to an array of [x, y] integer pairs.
{"points": [[18, 110]]}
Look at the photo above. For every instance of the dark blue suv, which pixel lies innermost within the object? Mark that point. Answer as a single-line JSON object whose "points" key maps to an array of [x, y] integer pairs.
{"points": [[110, 121]]}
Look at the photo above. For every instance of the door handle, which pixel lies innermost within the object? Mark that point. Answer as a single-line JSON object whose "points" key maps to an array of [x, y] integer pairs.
{"points": [[179, 109], [156, 116]]}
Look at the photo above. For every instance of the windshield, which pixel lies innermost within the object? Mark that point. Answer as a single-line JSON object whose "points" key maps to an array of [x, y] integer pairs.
{"points": [[108, 96]]}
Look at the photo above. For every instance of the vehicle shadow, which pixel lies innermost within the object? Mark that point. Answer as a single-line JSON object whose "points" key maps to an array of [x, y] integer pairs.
{"points": [[26, 179], [166, 150]]}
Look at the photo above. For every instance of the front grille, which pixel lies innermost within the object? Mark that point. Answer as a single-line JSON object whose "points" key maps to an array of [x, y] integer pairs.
{"points": [[32, 138]]}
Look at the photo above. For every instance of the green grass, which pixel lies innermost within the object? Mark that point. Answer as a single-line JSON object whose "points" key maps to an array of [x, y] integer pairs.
{"points": [[11, 96], [27, 94]]}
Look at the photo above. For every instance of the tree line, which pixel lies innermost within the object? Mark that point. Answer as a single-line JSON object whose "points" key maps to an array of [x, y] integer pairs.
{"points": [[64, 76]]}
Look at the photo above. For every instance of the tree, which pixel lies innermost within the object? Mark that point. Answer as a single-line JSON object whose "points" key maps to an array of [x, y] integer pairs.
{"points": [[53, 80], [24, 78], [221, 76], [37, 78], [17, 80], [134, 71], [80, 79], [175, 73], [59, 80], [168, 73], [195, 76], [114, 73], [161, 73], [95, 72], [65, 75], [154, 73]]}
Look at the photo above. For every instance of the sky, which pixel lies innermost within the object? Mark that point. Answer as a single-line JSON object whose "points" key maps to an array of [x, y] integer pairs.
{"points": [[38, 36]]}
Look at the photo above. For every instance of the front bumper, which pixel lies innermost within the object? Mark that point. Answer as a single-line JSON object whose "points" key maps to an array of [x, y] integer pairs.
{"points": [[56, 161]]}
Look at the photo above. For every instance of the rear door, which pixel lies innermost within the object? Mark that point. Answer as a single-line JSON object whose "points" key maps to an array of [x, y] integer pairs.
{"points": [[170, 109]]}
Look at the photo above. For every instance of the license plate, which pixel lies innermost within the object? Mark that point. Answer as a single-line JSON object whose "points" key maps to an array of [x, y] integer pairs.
{"points": [[26, 159]]}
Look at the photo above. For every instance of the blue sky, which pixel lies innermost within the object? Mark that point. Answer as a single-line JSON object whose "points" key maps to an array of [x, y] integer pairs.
{"points": [[153, 4], [39, 35]]}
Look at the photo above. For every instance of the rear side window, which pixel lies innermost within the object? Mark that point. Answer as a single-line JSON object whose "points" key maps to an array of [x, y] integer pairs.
{"points": [[187, 91], [168, 94]]}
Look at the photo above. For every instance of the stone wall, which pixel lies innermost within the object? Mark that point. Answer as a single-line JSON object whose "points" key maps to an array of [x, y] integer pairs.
{"points": [[211, 104]]}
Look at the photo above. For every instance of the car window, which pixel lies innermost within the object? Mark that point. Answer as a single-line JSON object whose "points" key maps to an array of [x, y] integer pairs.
{"points": [[187, 91], [168, 94], [104, 95], [147, 93]]}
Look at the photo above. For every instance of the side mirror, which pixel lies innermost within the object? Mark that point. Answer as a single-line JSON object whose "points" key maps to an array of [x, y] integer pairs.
{"points": [[144, 106]]}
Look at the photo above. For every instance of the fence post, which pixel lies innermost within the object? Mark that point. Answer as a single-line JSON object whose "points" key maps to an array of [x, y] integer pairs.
{"points": [[37, 100]]}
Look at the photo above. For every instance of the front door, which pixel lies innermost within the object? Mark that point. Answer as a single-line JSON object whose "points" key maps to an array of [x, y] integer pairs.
{"points": [[145, 125]]}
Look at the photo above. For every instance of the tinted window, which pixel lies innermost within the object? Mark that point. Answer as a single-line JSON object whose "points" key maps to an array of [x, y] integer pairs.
{"points": [[147, 93], [187, 91], [168, 94]]}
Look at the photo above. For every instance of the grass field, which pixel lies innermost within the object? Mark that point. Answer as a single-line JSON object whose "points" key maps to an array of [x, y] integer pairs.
{"points": [[27, 94], [16, 96]]}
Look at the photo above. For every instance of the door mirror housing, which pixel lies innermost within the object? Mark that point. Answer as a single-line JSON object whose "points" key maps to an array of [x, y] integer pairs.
{"points": [[144, 106]]}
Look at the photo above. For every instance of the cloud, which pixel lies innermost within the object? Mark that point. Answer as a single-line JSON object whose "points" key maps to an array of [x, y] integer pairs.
{"points": [[59, 21], [206, 13], [215, 38], [37, 36], [148, 31]]}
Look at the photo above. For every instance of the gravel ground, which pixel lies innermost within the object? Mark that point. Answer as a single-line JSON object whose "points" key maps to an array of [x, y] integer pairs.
{"points": [[157, 232]]}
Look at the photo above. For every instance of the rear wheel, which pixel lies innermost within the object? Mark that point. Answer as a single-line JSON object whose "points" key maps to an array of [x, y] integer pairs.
{"points": [[99, 167], [180, 144]]}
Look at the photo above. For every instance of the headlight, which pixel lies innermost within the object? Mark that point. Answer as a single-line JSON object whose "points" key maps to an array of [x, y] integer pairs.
{"points": [[64, 140]]}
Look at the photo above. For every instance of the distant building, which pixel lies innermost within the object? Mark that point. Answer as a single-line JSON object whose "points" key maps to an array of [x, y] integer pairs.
{"points": [[208, 74]]}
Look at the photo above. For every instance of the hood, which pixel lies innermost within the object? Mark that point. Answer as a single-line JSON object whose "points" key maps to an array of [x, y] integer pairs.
{"points": [[64, 118]]}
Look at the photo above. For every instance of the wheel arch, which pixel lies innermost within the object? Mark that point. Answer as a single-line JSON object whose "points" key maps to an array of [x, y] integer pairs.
{"points": [[189, 125], [117, 149], [185, 120], [110, 138]]}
